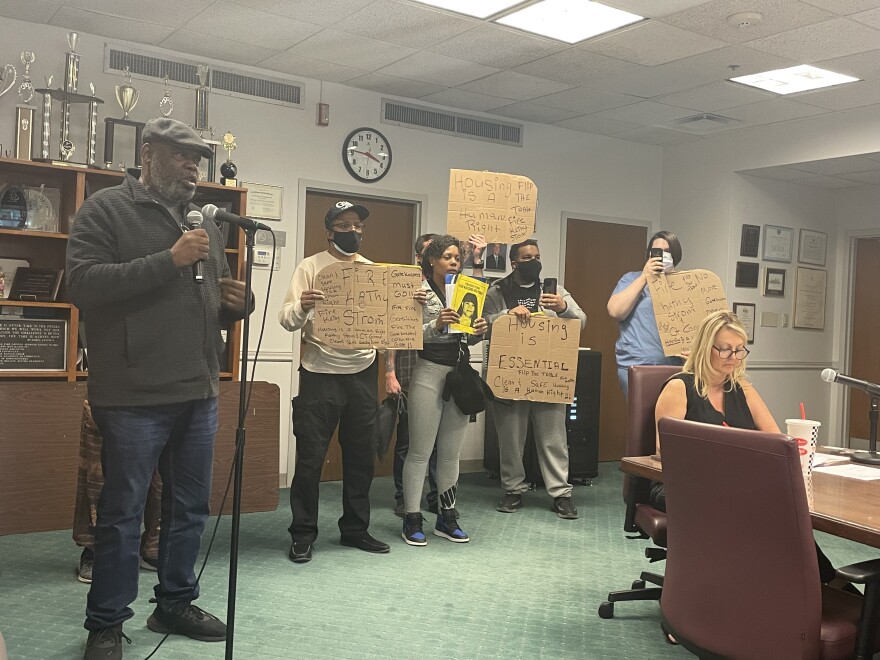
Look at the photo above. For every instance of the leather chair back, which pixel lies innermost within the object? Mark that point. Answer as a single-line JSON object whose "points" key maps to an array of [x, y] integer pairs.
{"points": [[742, 580]]}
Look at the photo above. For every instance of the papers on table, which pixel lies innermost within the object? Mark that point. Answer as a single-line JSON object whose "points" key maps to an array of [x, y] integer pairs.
{"points": [[820, 460], [852, 471]]}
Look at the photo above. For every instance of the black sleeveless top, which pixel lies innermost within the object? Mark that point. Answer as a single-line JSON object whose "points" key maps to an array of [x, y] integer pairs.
{"points": [[699, 409]]}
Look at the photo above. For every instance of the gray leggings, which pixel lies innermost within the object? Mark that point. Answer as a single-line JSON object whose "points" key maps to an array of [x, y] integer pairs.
{"points": [[432, 419]]}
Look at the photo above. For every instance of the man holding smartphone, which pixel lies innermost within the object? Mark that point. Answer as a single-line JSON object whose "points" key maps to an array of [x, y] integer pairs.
{"points": [[522, 293]]}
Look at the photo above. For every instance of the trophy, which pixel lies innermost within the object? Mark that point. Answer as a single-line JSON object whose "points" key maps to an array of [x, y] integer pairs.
{"points": [[126, 95], [47, 114], [26, 88], [93, 126], [24, 112], [201, 121], [166, 105], [228, 170], [71, 64], [8, 73]]}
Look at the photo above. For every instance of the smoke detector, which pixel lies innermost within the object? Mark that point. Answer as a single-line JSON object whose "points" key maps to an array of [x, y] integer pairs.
{"points": [[745, 19]]}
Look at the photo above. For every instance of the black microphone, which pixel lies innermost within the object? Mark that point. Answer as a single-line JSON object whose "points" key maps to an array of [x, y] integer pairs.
{"points": [[213, 213], [194, 221], [831, 376]]}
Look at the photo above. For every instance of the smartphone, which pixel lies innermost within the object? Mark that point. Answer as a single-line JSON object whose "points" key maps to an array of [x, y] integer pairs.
{"points": [[655, 253], [549, 285]]}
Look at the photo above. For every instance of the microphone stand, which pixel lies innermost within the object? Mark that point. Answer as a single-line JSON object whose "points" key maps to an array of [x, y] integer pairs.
{"points": [[238, 459], [870, 457]]}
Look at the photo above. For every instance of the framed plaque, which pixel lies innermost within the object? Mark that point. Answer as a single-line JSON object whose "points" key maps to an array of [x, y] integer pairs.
{"points": [[777, 243], [809, 298], [774, 282], [751, 237], [812, 247], [263, 201], [746, 314], [33, 344], [746, 275]]}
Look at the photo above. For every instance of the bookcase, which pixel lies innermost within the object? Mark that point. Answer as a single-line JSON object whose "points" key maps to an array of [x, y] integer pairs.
{"points": [[46, 250]]}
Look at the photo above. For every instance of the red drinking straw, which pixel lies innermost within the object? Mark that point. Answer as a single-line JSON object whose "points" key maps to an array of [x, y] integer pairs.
{"points": [[803, 414]]}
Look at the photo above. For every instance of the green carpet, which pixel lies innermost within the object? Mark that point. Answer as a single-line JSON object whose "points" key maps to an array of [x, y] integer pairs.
{"points": [[527, 586]]}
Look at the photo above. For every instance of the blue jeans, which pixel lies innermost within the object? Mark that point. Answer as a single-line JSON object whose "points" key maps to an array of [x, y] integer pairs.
{"points": [[179, 438]]}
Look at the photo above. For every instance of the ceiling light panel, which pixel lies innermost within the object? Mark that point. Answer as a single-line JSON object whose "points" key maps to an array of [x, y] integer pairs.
{"points": [[570, 21], [476, 8], [801, 78]]}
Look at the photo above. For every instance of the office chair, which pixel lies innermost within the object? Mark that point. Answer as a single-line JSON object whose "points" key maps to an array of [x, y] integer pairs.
{"points": [[645, 384], [743, 580]]}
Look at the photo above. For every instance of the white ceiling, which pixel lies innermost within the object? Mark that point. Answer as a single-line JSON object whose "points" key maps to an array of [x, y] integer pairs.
{"points": [[636, 84]]}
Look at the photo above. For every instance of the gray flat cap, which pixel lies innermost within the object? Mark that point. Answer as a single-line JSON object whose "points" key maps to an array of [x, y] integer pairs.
{"points": [[163, 129]]}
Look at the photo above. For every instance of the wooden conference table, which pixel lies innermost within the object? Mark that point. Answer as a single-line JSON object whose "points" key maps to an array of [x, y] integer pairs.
{"points": [[845, 507]]}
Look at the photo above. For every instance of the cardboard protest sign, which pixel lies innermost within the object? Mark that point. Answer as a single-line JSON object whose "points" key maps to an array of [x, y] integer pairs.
{"points": [[681, 302], [501, 207], [534, 361], [368, 306], [468, 297]]}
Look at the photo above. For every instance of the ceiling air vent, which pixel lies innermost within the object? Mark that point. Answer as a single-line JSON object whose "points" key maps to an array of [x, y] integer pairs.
{"points": [[450, 123], [222, 80], [702, 124]]}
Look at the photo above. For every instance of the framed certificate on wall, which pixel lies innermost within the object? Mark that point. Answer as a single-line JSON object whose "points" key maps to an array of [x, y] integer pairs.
{"points": [[812, 247], [777, 243]]}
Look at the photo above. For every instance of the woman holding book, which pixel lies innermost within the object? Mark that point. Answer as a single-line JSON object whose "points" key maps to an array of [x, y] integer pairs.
{"points": [[431, 419]]}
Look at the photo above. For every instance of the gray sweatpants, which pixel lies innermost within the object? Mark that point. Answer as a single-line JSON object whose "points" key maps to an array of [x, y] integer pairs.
{"points": [[431, 419], [512, 424]]}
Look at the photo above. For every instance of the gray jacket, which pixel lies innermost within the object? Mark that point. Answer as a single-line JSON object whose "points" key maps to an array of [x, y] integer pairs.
{"points": [[153, 333]]}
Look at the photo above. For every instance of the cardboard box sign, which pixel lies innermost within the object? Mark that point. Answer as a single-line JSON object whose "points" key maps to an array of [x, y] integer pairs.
{"points": [[499, 206], [681, 302], [368, 306], [534, 361]]}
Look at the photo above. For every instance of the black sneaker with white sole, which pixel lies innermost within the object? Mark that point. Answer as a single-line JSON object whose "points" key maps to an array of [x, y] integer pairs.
{"points": [[510, 503], [564, 508], [86, 563]]}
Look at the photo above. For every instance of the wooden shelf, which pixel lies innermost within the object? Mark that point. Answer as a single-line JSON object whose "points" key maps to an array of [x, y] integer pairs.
{"points": [[30, 233], [32, 303]]}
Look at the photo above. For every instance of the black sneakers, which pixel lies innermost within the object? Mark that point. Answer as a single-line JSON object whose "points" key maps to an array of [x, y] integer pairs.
{"points": [[447, 526], [300, 553], [564, 508], [510, 503], [412, 529], [366, 543], [86, 563], [105, 644], [191, 621]]}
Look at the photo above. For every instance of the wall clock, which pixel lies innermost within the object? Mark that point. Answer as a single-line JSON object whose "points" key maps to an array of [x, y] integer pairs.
{"points": [[366, 154]]}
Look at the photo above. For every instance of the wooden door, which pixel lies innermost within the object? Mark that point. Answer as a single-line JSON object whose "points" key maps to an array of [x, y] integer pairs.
{"points": [[596, 255], [865, 357], [388, 238]]}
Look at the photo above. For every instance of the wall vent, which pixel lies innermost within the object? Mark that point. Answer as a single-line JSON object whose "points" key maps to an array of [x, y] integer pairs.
{"points": [[222, 80], [450, 123], [702, 124]]}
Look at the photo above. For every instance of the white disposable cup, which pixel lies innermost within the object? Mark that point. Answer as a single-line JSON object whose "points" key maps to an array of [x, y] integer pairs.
{"points": [[806, 433]]}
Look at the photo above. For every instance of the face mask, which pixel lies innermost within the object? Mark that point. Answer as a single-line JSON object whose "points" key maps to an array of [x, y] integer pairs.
{"points": [[668, 265], [529, 270], [347, 242]]}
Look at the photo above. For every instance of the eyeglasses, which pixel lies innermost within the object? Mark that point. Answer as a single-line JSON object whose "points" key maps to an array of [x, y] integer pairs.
{"points": [[727, 353], [347, 226]]}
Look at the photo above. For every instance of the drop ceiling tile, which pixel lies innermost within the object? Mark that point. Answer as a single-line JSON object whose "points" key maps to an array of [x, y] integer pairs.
{"points": [[710, 19], [531, 112], [304, 66], [870, 18], [652, 43], [33, 11], [871, 176], [109, 26], [843, 7], [409, 25], [437, 69], [646, 113], [772, 111], [164, 12], [218, 48], [514, 85], [394, 86], [458, 98], [326, 12], [835, 166], [658, 136], [842, 97], [827, 182], [577, 66], [778, 173], [837, 37], [865, 66], [597, 125], [715, 96], [351, 50], [873, 156], [584, 100], [251, 26], [496, 45], [653, 8]]}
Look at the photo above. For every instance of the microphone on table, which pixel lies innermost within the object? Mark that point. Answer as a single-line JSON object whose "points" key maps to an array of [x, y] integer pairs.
{"points": [[831, 376], [194, 220], [219, 215]]}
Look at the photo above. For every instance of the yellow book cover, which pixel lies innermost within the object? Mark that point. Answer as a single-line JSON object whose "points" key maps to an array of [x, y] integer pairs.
{"points": [[468, 297]]}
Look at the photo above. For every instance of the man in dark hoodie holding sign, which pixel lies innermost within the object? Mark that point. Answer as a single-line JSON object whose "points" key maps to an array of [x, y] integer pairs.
{"points": [[522, 294]]}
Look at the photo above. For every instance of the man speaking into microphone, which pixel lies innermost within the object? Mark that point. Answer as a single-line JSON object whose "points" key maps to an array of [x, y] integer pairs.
{"points": [[155, 290]]}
